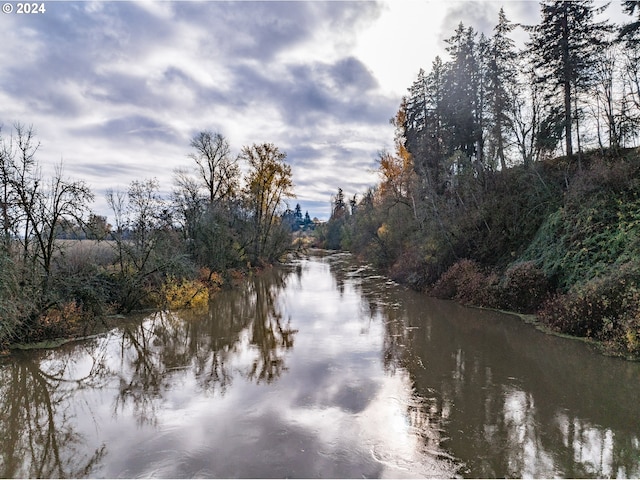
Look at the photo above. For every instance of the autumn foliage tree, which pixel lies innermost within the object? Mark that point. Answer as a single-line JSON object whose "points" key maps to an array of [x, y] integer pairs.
{"points": [[397, 172], [268, 184]]}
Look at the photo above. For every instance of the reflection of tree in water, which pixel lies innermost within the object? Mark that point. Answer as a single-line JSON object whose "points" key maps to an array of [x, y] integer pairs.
{"points": [[247, 318], [142, 373], [37, 408], [338, 266], [425, 411], [269, 335], [377, 302], [466, 401], [362, 278], [513, 402]]}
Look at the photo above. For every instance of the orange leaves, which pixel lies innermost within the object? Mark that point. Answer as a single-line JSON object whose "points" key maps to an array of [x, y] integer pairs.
{"points": [[397, 174]]}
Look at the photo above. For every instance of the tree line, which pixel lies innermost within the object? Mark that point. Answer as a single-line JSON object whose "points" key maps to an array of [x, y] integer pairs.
{"points": [[512, 173], [491, 105], [215, 222]]}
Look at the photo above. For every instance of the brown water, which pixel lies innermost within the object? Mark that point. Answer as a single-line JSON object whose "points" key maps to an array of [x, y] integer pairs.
{"points": [[321, 369]]}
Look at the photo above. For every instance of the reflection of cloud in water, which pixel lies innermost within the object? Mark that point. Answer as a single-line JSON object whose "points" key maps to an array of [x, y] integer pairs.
{"points": [[590, 447], [404, 445], [325, 370], [400, 435]]}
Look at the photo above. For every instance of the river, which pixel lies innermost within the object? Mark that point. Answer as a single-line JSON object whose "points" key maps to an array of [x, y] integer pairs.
{"points": [[320, 368]]}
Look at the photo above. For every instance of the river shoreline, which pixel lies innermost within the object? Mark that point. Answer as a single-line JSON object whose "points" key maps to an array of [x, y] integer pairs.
{"points": [[105, 324], [102, 325], [351, 374]]}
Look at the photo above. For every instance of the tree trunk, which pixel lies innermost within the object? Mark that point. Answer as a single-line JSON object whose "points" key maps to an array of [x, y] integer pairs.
{"points": [[567, 84], [567, 119]]}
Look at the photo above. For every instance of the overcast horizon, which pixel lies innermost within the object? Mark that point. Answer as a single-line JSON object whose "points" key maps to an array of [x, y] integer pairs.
{"points": [[117, 89]]}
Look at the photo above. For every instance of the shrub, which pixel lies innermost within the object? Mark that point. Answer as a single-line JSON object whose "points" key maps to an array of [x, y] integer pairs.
{"points": [[213, 280], [602, 177], [18, 301], [523, 288], [465, 281], [185, 294], [410, 269], [631, 344], [596, 229], [605, 308], [58, 321], [447, 284]]}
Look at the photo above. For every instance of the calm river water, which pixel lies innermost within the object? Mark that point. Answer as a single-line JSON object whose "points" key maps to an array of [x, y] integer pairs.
{"points": [[320, 369]]}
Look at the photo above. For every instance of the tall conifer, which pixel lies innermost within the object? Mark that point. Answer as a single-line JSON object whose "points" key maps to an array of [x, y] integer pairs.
{"points": [[630, 32], [502, 66], [461, 93], [564, 48]]}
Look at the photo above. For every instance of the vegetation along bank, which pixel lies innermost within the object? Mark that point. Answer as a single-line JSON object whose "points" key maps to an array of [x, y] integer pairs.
{"points": [[515, 179], [64, 269]]}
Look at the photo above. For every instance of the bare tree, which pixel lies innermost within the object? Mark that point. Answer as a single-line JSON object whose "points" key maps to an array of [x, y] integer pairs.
{"points": [[144, 240], [187, 201], [62, 200], [215, 167], [33, 208]]}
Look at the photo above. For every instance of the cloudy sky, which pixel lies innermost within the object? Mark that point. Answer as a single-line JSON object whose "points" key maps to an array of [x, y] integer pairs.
{"points": [[117, 89]]}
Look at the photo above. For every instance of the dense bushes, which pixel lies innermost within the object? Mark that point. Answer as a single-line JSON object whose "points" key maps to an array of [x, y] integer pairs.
{"points": [[61, 320], [184, 293], [606, 308], [465, 281], [15, 301], [523, 286], [579, 243], [412, 269]]}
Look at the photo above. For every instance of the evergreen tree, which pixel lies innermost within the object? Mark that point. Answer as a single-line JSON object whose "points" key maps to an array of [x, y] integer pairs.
{"points": [[298, 213], [630, 32], [461, 95], [502, 80], [421, 118], [415, 109], [564, 48], [290, 220], [339, 206]]}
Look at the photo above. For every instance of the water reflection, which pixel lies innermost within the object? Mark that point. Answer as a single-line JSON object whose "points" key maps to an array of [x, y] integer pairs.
{"points": [[36, 417], [244, 333], [320, 369], [514, 402], [503, 398]]}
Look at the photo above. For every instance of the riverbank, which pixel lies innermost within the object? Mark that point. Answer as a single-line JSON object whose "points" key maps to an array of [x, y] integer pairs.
{"points": [[558, 239], [63, 266], [580, 273], [71, 323]]}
